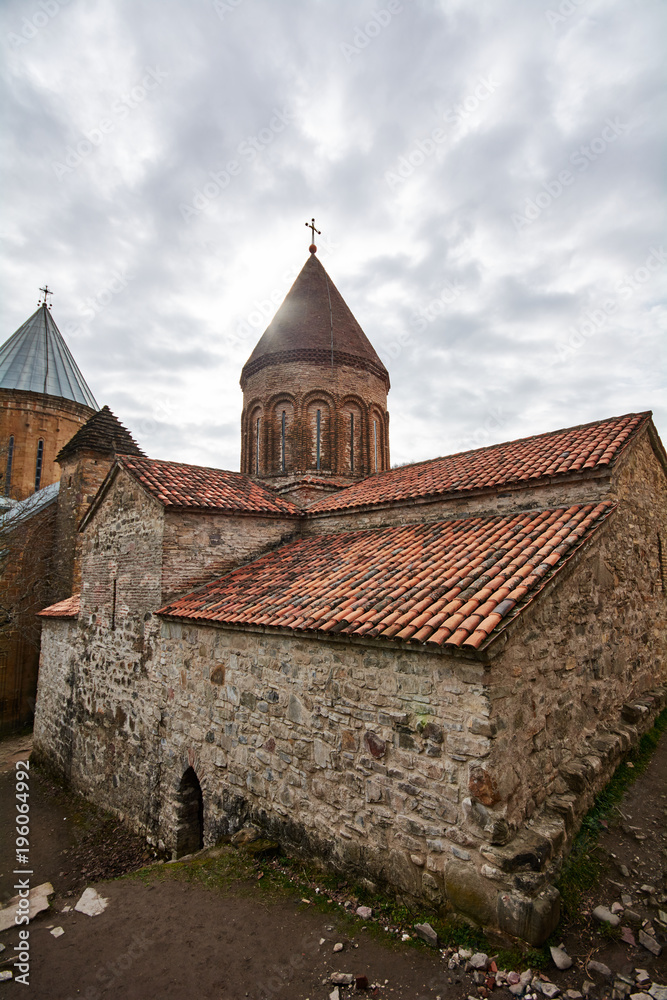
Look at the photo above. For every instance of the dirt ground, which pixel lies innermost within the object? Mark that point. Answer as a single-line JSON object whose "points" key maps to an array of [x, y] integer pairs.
{"points": [[173, 934]]}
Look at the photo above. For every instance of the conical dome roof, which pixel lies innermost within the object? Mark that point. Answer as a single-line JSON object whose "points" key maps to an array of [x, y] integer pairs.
{"points": [[314, 324], [37, 359]]}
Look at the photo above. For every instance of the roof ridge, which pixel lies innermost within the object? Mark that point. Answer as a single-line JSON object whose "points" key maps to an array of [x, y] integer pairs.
{"points": [[513, 441], [191, 465], [522, 461]]}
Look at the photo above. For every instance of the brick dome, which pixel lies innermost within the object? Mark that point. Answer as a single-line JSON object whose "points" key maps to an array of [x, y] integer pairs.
{"points": [[314, 391]]}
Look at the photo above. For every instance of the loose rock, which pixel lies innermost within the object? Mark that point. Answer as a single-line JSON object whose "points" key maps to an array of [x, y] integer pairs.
{"points": [[658, 991], [561, 958], [91, 903], [605, 916], [479, 960], [365, 912], [342, 978], [427, 934], [600, 968], [338, 946], [650, 943], [550, 990]]}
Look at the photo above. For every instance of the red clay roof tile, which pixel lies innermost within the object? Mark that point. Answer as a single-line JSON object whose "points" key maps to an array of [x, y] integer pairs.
{"points": [[358, 583], [69, 608], [192, 486], [557, 453]]}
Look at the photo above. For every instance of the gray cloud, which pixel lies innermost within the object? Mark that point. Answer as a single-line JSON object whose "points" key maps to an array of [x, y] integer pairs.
{"points": [[420, 133]]}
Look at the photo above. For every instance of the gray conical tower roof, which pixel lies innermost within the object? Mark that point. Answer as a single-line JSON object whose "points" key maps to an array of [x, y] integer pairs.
{"points": [[37, 359]]}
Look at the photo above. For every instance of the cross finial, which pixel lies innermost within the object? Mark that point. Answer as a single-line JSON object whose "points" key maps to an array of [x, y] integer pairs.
{"points": [[311, 226], [46, 291]]}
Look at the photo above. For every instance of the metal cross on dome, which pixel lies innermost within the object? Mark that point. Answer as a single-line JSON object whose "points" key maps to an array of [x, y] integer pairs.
{"points": [[311, 226], [46, 291]]}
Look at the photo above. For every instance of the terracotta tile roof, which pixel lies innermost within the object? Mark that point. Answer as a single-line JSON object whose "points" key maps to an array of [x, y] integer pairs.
{"points": [[314, 324], [454, 583], [104, 433], [526, 461], [69, 608], [193, 486]]}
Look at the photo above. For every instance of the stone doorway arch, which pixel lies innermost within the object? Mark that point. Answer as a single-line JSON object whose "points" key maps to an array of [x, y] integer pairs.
{"points": [[189, 815]]}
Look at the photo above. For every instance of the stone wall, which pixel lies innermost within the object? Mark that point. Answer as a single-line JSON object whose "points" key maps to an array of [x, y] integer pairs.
{"points": [[452, 777], [197, 547], [81, 476], [122, 559], [594, 641], [428, 510]]}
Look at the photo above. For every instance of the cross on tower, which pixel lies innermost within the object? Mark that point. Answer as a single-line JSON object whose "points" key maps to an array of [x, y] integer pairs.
{"points": [[46, 291], [311, 226]]}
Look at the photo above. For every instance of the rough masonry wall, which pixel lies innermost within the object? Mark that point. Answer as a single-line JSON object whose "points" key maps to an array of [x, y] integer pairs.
{"points": [[95, 708], [198, 547], [551, 495], [358, 753], [595, 641], [81, 477]]}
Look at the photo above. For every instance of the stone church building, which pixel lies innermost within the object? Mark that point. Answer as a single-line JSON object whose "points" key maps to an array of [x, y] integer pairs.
{"points": [[420, 675]]}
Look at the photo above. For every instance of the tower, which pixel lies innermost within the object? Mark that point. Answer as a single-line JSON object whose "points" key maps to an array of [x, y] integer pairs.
{"points": [[44, 400], [314, 394]]}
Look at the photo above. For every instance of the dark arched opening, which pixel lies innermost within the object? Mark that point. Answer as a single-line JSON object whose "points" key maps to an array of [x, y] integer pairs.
{"points": [[189, 815]]}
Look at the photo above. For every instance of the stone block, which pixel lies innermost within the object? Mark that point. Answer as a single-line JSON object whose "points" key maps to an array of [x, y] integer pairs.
{"points": [[532, 919]]}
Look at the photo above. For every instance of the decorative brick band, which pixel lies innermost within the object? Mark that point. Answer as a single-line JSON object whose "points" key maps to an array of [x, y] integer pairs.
{"points": [[315, 356]]}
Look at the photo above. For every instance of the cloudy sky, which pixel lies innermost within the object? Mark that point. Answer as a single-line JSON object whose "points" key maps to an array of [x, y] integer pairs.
{"points": [[486, 176]]}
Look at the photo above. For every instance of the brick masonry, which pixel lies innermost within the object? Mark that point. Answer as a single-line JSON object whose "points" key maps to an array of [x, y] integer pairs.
{"points": [[456, 778], [347, 447], [31, 417]]}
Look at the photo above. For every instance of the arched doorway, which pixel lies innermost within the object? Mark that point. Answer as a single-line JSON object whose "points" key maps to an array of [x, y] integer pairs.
{"points": [[189, 815]]}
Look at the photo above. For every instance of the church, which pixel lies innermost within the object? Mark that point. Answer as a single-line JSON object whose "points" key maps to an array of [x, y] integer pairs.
{"points": [[420, 676]]}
